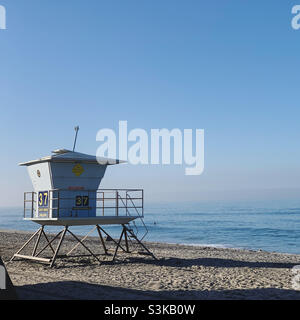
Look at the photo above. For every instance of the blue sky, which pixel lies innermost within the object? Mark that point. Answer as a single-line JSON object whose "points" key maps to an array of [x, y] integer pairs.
{"points": [[228, 67]]}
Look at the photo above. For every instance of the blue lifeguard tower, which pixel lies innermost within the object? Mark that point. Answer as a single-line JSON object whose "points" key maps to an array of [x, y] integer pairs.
{"points": [[66, 192]]}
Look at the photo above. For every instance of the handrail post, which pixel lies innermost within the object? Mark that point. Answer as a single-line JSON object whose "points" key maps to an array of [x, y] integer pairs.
{"points": [[126, 203], [32, 200], [24, 205], [58, 203], [89, 209], [117, 203], [49, 199], [143, 202], [103, 203]]}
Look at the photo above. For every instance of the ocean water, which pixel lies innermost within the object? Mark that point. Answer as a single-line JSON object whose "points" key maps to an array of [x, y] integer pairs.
{"points": [[270, 226]]}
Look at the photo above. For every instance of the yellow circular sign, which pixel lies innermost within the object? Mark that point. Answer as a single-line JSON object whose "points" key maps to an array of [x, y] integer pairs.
{"points": [[78, 170]]}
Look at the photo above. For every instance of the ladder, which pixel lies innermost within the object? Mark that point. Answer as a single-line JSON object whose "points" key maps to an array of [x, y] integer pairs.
{"points": [[133, 231]]}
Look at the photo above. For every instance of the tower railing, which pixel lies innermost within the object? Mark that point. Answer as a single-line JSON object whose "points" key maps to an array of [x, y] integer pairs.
{"points": [[100, 202]]}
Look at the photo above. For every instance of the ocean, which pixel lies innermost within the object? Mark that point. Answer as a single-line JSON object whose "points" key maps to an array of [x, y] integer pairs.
{"points": [[270, 226]]}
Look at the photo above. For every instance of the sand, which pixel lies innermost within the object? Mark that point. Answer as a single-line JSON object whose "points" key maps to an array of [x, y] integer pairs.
{"points": [[181, 272]]}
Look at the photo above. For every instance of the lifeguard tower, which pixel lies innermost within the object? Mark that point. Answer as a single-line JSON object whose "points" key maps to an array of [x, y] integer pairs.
{"points": [[66, 193]]}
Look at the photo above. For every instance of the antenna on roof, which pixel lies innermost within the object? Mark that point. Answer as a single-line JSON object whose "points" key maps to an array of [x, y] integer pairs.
{"points": [[76, 130]]}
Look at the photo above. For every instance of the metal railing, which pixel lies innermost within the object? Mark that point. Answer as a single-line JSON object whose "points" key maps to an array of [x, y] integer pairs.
{"points": [[105, 202]]}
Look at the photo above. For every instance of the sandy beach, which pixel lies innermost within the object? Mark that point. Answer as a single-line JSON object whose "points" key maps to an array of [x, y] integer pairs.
{"points": [[181, 272]]}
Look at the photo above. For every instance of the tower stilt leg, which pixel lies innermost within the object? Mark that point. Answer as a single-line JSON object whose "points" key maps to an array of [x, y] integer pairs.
{"points": [[58, 246], [139, 242], [25, 244], [112, 239], [84, 246], [118, 245], [37, 241], [102, 240], [49, 243], [81, 241]]}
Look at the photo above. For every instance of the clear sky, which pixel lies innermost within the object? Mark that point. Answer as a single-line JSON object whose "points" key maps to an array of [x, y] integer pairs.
{"points": [[228, 67]]}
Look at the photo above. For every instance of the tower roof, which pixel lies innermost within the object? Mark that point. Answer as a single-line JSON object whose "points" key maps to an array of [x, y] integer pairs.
{"points": [[64, 155]]}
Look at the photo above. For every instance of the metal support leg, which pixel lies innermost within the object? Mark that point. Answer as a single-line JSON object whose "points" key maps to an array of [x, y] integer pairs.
{"points": [[58, 246], [49, 244], [140, 243], [37, 241], [126, 240], [118, 245], [102, 240], [25, 244], [112, 239], [81, 241], [84, 246]]}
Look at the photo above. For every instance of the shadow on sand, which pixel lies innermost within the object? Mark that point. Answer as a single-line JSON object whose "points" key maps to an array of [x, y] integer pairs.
{"points": [[82, 260], [70, 290], [208, 262]]}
